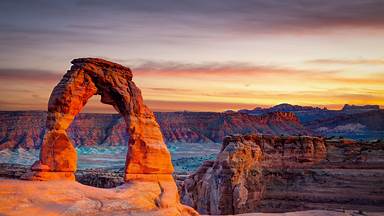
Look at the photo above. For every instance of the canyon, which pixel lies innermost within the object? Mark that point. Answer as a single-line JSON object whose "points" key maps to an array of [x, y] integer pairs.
{"points": [[272, 174], [26, 129], [258, 173]]}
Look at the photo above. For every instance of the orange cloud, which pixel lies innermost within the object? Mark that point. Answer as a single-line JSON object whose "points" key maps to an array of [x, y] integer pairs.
{"points": [[170, 86], [348, 61], [237, 71]]}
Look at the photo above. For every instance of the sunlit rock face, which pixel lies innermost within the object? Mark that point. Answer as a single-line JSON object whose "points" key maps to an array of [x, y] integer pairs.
{"points": [[89, 76], [70, 198], [148, 159], [264, 173], [229, 184], [234, 183]]}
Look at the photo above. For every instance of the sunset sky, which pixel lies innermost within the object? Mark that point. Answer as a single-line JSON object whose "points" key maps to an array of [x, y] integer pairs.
{"points": [[199, 55]]}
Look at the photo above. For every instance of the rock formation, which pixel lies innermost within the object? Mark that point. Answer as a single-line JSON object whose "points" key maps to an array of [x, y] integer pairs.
{"points": [[148, 159], [229, 184], [260, 173], [88, 76], [234, 182]]}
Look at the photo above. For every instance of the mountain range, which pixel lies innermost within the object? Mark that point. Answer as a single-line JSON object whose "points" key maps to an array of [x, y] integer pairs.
{"points": [[26, 128], [352, 121]]}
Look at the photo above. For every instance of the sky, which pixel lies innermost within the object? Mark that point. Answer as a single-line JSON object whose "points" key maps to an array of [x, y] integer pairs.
{"points": [[199, 55]]}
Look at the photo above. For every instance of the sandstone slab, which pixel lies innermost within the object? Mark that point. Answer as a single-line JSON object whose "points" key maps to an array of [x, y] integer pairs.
{"points": [[71, 198]]}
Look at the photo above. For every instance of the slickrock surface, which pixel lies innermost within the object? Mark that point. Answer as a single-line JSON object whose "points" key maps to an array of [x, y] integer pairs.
{"points": [[68, 198], [257, 173], [72, 198]]}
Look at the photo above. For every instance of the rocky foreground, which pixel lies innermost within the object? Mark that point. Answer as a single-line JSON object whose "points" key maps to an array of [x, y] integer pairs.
{"points": [[273, 174], [72, 198]]}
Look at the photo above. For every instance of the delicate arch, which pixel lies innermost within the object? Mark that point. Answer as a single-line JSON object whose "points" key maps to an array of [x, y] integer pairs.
{"points": [[147, 153]]}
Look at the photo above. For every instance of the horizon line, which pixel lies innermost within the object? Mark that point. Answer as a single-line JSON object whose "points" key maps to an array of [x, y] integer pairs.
{"points": [[213, 111]]}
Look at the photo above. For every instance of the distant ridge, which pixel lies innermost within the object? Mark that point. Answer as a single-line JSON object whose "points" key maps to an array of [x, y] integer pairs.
{"points": [[352, 121], [364, 107], [286, 107], [26, 128]]}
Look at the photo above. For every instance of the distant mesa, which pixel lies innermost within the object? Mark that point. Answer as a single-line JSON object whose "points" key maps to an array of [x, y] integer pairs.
{"points": [[327, 122], [348, 107], [285, 107]]}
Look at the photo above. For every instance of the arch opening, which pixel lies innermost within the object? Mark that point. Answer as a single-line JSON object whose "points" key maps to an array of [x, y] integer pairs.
{"points": [[95, 106]]}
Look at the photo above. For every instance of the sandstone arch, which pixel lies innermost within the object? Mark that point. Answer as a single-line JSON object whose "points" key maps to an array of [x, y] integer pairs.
{"points": [[148, 157]]}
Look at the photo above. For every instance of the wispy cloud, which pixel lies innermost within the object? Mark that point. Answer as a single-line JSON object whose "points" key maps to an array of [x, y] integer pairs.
{"points": [[84, 21], [349, 61], [274, 14], [41, 34], [34, 75], [208, 69], [240, 70]]}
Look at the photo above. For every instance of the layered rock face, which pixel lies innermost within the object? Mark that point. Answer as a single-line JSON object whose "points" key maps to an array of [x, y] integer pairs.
{"points": [[352, 121], [349, 177], [289, 151], [229, 184], [26, 129], [364, 125], [197, 127], [256, 173]]}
